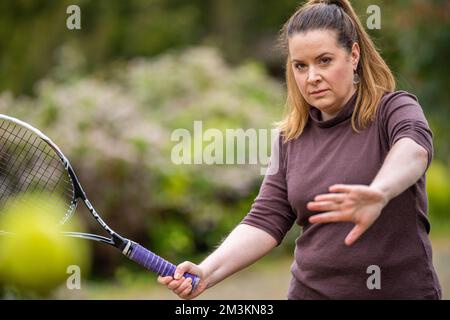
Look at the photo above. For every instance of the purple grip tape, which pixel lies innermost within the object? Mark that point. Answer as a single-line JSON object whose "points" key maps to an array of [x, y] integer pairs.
{"points": [[155, 263]]}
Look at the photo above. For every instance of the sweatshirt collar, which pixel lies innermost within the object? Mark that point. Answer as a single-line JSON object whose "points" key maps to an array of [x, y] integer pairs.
{"points": [[345, 113]]}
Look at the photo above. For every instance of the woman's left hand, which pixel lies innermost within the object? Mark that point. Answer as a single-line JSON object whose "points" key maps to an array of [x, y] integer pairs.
{"points": [[360, 204]]}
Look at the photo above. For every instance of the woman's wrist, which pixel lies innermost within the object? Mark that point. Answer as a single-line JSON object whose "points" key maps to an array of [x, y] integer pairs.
{"points": [[208, 274], [383, 191]]}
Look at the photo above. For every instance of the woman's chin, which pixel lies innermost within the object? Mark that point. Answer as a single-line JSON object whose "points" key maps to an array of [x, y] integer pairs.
{"points": [[321, 104]]}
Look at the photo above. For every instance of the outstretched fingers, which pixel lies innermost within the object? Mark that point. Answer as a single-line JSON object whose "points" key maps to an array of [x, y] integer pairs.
{"points": [[333, 216]]}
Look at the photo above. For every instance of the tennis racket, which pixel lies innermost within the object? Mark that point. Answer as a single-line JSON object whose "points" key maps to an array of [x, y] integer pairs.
{"points": [[31, 162]]}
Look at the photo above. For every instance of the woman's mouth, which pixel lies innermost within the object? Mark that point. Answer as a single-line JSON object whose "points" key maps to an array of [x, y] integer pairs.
{"points": [[318, 92]]}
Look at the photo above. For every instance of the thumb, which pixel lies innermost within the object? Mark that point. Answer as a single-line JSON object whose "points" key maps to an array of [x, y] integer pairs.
{"points": [[184, 267], [356, 232]]}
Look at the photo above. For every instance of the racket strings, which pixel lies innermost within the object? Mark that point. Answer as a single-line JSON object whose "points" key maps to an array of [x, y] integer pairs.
{"points": [[40, 170], [29, 164], [39, 148], [10, 190], [7, 188], [21, 164]]}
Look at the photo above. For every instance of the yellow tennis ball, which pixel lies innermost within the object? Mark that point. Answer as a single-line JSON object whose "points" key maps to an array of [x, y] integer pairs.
{"points": [[35, 256]]}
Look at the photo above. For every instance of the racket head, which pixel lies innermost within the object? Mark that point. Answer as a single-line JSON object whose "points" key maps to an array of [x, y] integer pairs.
{"points": [[30, 163]]}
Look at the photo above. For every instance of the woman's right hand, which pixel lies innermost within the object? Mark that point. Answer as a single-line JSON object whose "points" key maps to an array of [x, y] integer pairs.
{"points": [[182, 286]]}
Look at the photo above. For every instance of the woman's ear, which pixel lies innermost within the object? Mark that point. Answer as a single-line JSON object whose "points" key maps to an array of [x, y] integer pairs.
{"points": [[355, 55]]}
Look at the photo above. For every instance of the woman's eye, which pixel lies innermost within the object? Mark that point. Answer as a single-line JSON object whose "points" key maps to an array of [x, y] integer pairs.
{"points": [[300, 66], [325, 60]]}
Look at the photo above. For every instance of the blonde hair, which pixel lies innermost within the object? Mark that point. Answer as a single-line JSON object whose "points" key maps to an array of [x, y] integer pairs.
{"points": [[375, 76]]}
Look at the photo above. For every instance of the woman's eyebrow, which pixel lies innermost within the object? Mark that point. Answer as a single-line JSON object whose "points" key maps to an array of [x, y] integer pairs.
{"points": [[320, 55]]}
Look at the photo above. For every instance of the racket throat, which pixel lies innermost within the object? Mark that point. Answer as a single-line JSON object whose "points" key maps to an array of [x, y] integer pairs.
{"points": [[121, 243], [127, 249]]}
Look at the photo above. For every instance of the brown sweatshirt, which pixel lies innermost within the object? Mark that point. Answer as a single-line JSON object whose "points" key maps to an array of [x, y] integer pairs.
{"points": [[330, 152]]}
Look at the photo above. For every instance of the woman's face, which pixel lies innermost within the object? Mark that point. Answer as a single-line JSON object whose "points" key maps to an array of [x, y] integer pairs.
{"points": [[323, 70]]}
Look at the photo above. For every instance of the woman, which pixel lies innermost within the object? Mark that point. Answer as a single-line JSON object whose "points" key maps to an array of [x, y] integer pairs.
{"points": [[352, 160]]}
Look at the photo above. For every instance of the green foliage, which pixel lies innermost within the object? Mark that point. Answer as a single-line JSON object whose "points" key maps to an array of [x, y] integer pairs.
{"points": [[438, 188], [33, 32]]}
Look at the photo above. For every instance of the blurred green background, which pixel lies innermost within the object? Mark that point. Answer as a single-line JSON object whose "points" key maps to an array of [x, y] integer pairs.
{"points": [[112, 93]]}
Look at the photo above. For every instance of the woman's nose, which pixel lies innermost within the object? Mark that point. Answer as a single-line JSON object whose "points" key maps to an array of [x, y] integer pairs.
{"points": [[313, 76]]}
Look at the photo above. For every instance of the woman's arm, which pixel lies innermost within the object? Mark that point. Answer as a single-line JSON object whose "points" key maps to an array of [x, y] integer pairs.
{"points": [[243, 246], [405, 163]]}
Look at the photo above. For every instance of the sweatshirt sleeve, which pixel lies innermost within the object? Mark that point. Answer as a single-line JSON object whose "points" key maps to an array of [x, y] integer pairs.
{"points": [[403, 117], [271, 210]]}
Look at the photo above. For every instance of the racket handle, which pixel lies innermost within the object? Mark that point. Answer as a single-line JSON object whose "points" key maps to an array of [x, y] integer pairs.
{"points": [[155, 263]]}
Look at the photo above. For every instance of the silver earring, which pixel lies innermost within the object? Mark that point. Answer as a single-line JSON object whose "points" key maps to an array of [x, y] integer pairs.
{"points": [[356, 78]]}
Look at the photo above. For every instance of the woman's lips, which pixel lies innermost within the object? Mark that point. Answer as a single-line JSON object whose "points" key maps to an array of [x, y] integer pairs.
{"points": [[318, 93]]}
